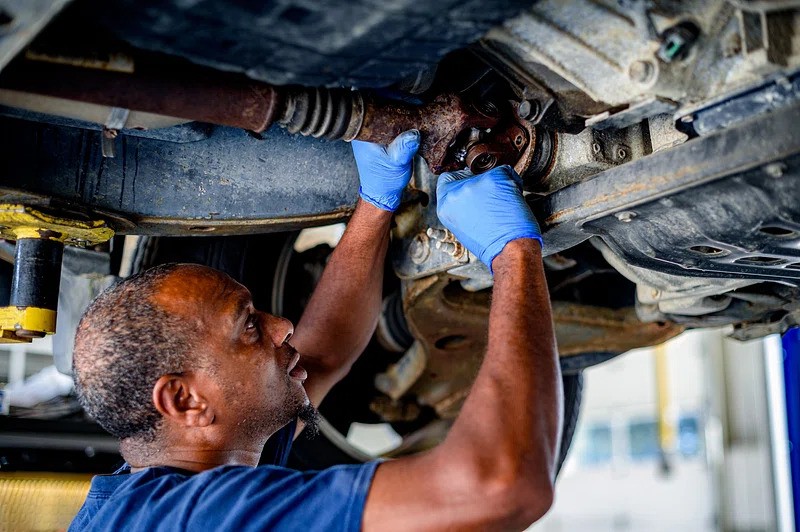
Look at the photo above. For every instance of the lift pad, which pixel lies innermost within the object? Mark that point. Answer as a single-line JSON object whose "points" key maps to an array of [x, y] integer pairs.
{"points": [[40, 241]]}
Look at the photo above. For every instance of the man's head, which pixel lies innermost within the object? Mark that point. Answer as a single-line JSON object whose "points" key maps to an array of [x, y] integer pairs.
{"points": [[178, 355]]}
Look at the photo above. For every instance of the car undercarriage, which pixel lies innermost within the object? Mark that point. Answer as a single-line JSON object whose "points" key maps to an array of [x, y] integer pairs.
{"points": [[657, 140]]}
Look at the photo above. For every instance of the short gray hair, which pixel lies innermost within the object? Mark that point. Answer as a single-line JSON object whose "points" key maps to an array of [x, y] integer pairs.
{"points": [[123, 345]]}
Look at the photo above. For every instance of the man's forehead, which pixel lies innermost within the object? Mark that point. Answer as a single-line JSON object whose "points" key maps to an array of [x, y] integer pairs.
{"points": [[194, 288]]}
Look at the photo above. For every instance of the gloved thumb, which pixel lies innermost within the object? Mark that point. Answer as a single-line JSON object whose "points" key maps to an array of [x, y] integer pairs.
{"points": [[404, 147], [443, 184], [458, 175], [511, 174]]}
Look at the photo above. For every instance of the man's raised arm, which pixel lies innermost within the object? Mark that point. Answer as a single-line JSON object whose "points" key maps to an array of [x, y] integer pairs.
{"points": [[341, 315], [496, 467]]}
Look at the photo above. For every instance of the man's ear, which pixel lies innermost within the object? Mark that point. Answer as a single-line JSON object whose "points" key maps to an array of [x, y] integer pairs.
{"points": [[179, 398]]}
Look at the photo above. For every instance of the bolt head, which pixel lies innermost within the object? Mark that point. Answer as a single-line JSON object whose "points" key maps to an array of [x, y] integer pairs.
{"points": [[625, 216], [524, 109], [775, 170], [642, 71], [528, 109], [420, 248]]}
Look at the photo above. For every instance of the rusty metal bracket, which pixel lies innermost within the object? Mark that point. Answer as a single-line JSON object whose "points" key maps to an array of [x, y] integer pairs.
{"points": [[451, 325]]}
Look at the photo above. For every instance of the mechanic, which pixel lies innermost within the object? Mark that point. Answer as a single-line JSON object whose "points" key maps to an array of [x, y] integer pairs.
{"points": [[178, 364]]}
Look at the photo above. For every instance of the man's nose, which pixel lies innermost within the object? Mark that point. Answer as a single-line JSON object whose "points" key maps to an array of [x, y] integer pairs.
{"points": [[279, 329]]}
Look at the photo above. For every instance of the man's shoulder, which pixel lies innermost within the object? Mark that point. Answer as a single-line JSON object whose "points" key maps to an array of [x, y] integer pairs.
{"points": [[110, 497], [225, 496]]}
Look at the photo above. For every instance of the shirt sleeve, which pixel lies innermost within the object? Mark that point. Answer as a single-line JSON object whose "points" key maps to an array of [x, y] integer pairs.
{"points": [[270, 498]]}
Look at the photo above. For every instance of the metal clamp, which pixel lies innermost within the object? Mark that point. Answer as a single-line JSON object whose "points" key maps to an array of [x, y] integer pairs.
{"points": [[116, 120]]}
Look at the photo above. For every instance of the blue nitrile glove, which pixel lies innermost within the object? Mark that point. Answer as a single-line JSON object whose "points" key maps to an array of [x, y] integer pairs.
{"points": [[485, 211], [385, 171]]}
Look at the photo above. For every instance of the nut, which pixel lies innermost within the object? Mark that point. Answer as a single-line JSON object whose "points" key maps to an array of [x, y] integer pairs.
{"points": [[420, 248], [775, 170], [528, 109], [454, 249], [625, 216], [643, 71], [446, 247], [440, 234]]}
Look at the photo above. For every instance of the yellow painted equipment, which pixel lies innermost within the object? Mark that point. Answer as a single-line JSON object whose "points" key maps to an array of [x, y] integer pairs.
{"points": [[40, 501], [40, 238], [21, 221]]}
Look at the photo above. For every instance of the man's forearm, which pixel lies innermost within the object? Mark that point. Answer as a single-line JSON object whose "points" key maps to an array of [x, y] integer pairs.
{"points": [[495, 469], [343, 311], [511, 422]]}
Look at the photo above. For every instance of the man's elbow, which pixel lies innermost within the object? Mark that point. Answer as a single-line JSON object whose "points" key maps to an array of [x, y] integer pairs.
{"points": [[515, 504], [539, 501], [524, 503], [497, 495]]}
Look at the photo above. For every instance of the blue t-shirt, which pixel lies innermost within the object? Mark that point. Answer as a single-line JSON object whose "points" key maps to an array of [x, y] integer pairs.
{"points": [[267, 497]]}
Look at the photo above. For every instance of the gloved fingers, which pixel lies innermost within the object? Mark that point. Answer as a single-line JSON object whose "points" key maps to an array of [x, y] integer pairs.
{"points": [[403, 148], [504, 171], [508, 173], [449, 177], [513, 175], [363, 149], [365, 152]]}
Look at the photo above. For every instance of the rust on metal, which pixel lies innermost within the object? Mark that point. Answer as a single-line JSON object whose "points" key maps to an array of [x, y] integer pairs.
{"points": [[586, 328], [612, 197], [439, 122], [451, 327], [152, 225], [172, 89], [511, 141], [451, 324], [455, 132]]}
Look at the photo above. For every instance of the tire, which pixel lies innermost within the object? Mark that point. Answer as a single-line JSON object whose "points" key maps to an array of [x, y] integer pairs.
{"points": [[573, 397], [250, 260]]}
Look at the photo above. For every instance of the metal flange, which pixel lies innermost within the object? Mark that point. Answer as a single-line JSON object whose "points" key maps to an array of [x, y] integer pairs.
{"points": [[20, 221], [23, 324]]}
